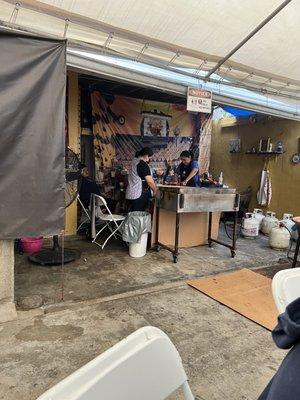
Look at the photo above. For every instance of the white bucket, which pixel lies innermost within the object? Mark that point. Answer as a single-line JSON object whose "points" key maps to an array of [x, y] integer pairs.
{"points": [[137, 250]]}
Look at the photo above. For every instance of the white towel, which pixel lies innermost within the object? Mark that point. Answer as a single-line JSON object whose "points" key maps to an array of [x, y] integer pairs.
{"points": [[264, 194]]}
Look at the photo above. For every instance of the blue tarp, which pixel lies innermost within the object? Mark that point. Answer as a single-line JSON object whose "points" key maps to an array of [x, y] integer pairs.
{"points": [[238, 112]]}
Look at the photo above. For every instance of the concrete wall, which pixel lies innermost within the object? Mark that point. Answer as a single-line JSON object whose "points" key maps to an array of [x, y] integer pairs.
{"points": [[241, 170]]}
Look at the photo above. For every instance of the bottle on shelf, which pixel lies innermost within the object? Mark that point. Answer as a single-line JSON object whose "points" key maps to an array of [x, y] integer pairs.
{"points": [[221, 179]]}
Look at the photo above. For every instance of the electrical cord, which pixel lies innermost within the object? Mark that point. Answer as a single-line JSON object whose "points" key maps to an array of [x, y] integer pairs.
{"points": [[239, 231]]}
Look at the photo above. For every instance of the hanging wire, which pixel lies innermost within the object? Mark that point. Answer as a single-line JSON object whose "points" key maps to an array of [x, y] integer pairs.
{"points": [[144, 48], [67, 21], [197, 71], [225, 74], [247, 77], [14, 14], [199, 83], [283, 87], [108, 40], [176, 55], [267, 81]]}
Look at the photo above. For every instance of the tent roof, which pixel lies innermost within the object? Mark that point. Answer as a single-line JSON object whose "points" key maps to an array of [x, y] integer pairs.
{"points": [[190, 36]]}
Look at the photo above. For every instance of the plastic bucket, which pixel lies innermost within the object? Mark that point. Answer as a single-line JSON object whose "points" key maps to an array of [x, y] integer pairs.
{"points": [[31, 245], [137, 250]]}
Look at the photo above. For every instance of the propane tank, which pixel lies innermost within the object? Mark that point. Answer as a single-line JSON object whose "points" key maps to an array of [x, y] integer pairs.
{"points": [[279, 238], [250, 226], [270, 221], [287, 221], [258, 214]]}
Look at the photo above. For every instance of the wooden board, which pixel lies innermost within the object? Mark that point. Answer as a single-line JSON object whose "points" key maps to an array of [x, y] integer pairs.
{"points": [[193, 229], [244, 291]]}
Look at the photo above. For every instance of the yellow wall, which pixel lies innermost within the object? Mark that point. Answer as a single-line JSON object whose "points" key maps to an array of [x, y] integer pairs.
{"points": [[241, 170], [74, 142]]}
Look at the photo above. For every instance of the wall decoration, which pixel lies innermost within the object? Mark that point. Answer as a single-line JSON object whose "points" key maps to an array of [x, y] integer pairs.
{"points": [[123, 125], [155, 123], [234, 146]]}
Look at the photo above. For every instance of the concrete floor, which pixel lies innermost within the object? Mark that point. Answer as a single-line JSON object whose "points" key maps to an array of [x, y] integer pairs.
{"points": [[112, 271], [108, 295]]}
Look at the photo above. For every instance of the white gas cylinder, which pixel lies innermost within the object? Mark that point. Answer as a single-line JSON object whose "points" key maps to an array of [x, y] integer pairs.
{"points": [[259, 215], [279, 238], [270, 221], [250, 226], [287, 221]]}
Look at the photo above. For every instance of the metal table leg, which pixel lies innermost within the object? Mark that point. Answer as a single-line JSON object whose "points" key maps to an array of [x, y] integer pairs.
{"points": [[209, 228], [157, 229], [175, 253], [234, 235], [296, 251], [232, 246]]}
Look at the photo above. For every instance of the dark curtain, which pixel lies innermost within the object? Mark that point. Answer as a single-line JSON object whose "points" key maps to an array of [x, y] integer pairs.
{"points": [[32, 149]]}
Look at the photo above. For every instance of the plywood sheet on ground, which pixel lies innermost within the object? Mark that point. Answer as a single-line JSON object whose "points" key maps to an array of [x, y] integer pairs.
{"points": [[245, 292]]}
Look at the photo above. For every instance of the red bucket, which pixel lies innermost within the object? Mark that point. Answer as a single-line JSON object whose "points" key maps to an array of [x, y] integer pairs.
{"points": [[31, 244]]}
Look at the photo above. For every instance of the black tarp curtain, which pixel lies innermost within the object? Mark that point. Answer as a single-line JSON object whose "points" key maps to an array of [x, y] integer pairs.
{"points": [[32, 149]]}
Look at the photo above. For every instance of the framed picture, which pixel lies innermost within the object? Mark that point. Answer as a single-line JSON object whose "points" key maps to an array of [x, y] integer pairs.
{"points": [[234, 146], [155, 124]]}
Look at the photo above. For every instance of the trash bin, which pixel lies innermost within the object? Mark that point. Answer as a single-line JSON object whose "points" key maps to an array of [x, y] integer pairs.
{"points": [[135, 231], [137, 250]]}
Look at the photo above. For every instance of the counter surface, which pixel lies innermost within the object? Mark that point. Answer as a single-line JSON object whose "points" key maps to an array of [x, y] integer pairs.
{"points": [[195, 190], [184, 199]]}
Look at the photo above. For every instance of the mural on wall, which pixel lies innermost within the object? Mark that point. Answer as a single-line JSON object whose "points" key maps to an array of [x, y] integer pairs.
{"points": [[123, 125], [205, 142]]}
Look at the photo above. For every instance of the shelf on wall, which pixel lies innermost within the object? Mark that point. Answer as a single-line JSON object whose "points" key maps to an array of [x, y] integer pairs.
{"points": [[265, 153]]}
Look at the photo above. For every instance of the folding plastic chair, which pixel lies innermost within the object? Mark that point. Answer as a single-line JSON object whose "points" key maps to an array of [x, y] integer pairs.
{"points": [[111, 221], [286, 287], [144, 366], [86, 217]]}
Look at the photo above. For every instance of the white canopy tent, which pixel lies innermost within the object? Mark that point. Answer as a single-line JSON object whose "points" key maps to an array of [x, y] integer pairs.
{"points": [[246, 51]]}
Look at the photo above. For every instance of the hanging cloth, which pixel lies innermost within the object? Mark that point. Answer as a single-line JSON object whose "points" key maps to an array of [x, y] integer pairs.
{"points": [[264, 194]]}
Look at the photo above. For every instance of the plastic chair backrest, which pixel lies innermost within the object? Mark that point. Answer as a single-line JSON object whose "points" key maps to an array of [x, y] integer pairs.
{"points": [[144, 366], [286, 287], [101, 202]]}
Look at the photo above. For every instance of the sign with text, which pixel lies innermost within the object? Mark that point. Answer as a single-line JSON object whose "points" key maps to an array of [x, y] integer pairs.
{"points": [[199, 100]]}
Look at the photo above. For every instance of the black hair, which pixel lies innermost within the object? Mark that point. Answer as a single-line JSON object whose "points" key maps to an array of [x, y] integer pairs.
{"points": [[187, 153], [137, 153], [146, 151], [83, 166]]}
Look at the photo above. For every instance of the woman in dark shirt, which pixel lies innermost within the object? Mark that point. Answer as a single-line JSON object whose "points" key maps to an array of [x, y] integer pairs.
{"points": [[140, 181], [188, 169]]}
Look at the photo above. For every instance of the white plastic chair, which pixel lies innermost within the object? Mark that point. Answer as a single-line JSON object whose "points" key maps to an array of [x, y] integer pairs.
{"points": [[111, 221], [286, 287], [86, 217], [144, 366]]}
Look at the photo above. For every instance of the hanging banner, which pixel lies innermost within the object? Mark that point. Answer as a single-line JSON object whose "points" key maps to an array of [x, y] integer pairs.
{"points": [[123, 125], [199, 100], [32, 119]]}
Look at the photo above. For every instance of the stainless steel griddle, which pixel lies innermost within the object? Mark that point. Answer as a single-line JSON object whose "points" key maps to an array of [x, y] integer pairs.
{"points": [[183, 200]]}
